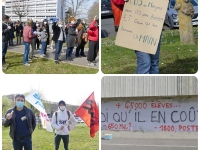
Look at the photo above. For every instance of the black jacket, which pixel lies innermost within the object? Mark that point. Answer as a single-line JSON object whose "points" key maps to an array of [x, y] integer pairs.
{"points": [[5, 33], [18, 28], [56, 32], [30, 120]]}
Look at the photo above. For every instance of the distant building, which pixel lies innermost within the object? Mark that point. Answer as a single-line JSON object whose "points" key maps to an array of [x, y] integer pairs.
{"points": [[3, 6], [38, 9]]}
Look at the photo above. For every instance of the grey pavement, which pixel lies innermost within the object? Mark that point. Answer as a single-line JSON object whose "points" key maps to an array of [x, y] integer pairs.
{"points": [[50, 54], [107, 27], [122, 140]]}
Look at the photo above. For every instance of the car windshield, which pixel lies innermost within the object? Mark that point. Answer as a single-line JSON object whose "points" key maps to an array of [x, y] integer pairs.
{"points": [[172, 3]]}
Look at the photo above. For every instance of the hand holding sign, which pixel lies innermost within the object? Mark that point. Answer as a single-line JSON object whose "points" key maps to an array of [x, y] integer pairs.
{"points": [[9, 115]]}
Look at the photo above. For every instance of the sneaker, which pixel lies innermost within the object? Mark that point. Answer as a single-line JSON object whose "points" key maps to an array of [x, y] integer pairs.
{"points": [[29, 61], [41, 56], [44, 55], [91, 64], [57, 62], [27, 64], [34, 57], [4, 67]]}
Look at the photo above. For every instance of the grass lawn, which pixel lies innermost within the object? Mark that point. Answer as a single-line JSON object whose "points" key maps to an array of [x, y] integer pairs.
{"points": [[174, 57], [42, 66], [43, 140]]}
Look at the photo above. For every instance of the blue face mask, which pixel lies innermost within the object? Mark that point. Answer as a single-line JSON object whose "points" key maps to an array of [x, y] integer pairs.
{"points": [[19, 104]]}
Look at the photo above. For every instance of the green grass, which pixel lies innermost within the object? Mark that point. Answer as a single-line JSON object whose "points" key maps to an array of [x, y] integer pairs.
{"points": [[174, 57], [42, 66], [43, 140]]}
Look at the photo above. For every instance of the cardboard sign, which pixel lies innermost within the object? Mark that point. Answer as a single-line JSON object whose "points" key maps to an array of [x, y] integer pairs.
{"points": [[141, 25]]}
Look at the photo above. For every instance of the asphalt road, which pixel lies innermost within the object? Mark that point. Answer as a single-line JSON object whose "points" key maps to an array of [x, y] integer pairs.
{"points": [[107, 27], [149, 144]]}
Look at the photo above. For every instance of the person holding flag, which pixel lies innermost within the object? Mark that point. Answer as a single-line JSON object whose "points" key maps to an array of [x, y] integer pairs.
{"points": [[22, 123], [60, 122]]}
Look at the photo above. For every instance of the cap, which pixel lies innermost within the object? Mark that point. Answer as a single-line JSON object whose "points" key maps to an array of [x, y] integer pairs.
{"points": [[61, 102]]}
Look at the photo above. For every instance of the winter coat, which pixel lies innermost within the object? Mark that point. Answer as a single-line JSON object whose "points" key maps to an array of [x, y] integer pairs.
{"points": [[27, 34], [93, 32], [47, 29], [56, 32], [5, 33], [11, 122], [44, 36], [71, 33]]}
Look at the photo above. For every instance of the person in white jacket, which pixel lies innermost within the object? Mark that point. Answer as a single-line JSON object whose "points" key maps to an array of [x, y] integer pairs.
{"points": [[60, 122]]}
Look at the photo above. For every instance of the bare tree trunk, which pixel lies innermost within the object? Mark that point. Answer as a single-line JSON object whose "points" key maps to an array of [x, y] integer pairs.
{"points": [[185, 14]]}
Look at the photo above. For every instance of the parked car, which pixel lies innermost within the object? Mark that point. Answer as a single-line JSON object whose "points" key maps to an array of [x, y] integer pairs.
{"points": [[106, 9], [3, 120], [171, 18]]}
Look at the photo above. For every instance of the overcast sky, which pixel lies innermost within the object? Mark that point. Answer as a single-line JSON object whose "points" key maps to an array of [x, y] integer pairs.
{"points": [[73, 89]]}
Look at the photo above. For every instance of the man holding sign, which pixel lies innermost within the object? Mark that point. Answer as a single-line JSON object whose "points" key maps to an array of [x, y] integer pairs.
{"points": [[141, 23], [22, 124]]}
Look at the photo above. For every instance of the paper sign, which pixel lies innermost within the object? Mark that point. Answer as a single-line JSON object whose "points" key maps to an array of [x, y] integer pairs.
{"points": [[141, 25]]}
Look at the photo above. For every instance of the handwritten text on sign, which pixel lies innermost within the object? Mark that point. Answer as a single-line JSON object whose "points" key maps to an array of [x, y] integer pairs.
{"points": [[141, 25], [149, 116]]}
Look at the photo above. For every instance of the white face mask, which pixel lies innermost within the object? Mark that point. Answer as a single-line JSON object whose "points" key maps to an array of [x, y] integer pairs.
{"points": [[72, 22], [37, 24], [45, 22], [51, 22], [62, 108], [60, 25]]}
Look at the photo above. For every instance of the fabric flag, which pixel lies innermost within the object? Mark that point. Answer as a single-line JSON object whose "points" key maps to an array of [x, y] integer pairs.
{"points": [[89, 113], [34, 99]]}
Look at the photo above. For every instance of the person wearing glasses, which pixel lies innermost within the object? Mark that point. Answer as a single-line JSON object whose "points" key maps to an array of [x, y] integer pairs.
{"points": [[22, 123]]}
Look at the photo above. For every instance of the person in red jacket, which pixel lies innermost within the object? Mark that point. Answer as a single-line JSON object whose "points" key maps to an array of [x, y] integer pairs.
{"points": [[93, 32], [27, 36]]}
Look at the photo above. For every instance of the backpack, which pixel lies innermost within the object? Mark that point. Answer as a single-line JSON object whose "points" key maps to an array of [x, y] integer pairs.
{"points": [[57, 116]]}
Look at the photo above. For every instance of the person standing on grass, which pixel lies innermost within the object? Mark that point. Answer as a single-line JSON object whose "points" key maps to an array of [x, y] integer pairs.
{"points": [[27, 36], [37, 42], [44, 37], [148, 63], [45, 23], [60, 122], [22, 124], [19, 29], [5, 38], [12, 36], [33, 40], [51, 33], [93, 32], [58, 38]]}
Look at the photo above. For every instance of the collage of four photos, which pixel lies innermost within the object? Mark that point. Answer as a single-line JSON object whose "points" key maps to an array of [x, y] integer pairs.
{"points": [[99, 75]]}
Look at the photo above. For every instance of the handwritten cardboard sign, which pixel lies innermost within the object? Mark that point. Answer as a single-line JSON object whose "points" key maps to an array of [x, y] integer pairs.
{"points": [[150, 116], [141, 25]]}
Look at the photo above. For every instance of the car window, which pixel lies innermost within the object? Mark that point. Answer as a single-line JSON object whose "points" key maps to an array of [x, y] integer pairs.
{"points": [[172, 3]]}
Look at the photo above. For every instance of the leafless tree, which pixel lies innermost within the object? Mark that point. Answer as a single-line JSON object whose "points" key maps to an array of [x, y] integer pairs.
{"points": [[77, 6], [93, 11], [20, 8]]}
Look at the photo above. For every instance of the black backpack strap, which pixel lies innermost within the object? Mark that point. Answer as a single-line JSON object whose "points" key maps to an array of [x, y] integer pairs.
{"points": [[68, 115], [56, 114]]}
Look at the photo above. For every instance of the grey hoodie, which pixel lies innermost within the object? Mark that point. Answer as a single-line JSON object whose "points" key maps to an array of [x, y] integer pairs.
{"points": [[44, 36]]}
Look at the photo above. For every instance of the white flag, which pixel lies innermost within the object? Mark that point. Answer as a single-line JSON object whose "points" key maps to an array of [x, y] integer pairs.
{"points": [[34, 99]]}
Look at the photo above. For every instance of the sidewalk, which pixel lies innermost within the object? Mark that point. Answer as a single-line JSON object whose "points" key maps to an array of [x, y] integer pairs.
{"points": [[50, 54]]}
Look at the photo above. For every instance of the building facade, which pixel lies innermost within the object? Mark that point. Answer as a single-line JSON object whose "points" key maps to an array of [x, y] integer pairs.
{"points": [[149, 103], [37, 9]]}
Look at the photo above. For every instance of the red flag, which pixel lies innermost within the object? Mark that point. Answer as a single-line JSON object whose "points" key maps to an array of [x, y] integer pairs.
{"points": [[89, 113]]}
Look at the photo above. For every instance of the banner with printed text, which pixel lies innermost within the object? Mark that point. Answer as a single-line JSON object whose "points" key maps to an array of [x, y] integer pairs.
{"points": [[150, 116], [141, 25]]}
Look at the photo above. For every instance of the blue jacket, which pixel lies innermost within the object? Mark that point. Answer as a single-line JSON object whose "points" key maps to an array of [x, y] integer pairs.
{"points": [[11, 122]]}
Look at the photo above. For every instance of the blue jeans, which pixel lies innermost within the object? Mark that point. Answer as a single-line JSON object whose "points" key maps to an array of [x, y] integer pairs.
{"points": [[26, 51], [43, 47], [69, 52], [148, 63], [58, 46], [11, 41], [4, 51], [65, 139], [19, 144]]}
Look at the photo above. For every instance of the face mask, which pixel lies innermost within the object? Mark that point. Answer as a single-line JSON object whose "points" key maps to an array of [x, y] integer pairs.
{"points": [[37, 24], [19, 104], [60, 25], [45, 22], [51, 22], [72, 22], [62, 108], [44, 30]]}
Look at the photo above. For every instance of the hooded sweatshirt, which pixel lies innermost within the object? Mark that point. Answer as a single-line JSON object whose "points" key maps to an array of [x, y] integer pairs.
{"points": [[62, 118]]}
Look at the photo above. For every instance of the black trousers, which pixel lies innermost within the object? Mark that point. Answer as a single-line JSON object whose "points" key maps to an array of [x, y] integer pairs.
{"points": [[65, 139], [78, 51], [45, 49], [37, 42], [18, 35], [92, 53]]}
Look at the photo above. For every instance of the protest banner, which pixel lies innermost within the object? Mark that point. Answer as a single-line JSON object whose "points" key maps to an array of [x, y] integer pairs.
{"points": [[141, 25]]}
